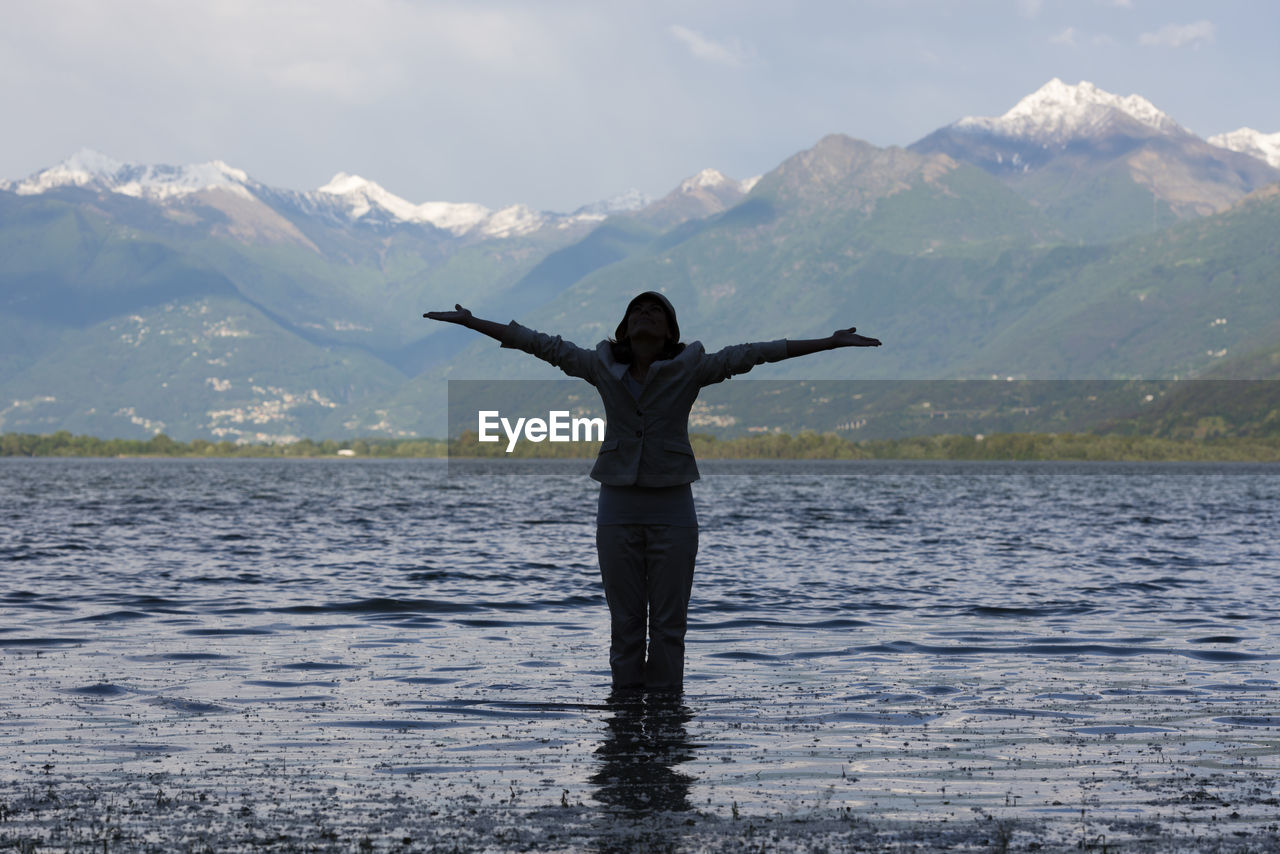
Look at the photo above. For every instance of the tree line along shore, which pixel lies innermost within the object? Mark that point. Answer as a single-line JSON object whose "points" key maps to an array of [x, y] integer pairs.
{"points": [[772, 446]]}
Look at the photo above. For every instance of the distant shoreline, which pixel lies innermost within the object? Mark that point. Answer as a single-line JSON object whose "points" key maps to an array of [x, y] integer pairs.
{"points": [[780, 446]]}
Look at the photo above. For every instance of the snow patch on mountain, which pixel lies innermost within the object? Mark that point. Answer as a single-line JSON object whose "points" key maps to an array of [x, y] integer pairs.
{"points": [[512, 221], [1058, 112], [705, 178], [354, 196], [627, 202], [715, 179], [93, 170], [360, 196], [1264, 146], [348, 197]]}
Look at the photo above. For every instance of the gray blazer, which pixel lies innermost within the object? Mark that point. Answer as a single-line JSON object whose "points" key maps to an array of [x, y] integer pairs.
{"points": [[646, 441]]}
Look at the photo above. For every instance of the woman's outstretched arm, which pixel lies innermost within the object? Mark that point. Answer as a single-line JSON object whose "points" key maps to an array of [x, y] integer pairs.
{"points": [[839, 338], [463, 317], [565, 355], [740, 358]]}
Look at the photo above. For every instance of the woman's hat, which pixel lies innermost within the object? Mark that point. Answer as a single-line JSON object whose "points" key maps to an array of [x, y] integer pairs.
{"points": [[621, 331]]}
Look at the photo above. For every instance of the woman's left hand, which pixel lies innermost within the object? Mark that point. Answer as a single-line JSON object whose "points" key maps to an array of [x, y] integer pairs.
{"points": [[850, 338]]}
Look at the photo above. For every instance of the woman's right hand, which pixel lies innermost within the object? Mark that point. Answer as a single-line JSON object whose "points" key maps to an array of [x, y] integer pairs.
{"points": [[459, 315]]}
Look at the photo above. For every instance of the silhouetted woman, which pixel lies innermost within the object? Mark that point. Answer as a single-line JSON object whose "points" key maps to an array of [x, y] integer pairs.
{"points": [[647, 530]]}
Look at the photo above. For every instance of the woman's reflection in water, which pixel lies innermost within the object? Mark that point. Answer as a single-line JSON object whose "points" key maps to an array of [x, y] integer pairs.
{"points": [[646, 739]]}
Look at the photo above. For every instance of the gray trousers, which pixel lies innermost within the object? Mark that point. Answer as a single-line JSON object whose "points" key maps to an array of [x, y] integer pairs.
{"points": [[648, 576]]}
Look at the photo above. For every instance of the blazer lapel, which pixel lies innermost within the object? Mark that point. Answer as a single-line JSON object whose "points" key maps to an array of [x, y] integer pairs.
{"points": [[616, 369]]}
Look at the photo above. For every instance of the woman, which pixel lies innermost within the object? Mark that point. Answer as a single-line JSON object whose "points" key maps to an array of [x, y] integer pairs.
{"points": [[646, 527]]}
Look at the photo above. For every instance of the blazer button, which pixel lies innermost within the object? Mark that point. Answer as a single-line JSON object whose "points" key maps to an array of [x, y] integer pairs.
{"points": [[639, 433]]}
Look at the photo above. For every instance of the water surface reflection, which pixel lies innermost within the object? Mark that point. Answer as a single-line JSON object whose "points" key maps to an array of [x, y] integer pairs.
{"points": [[646, 739]]}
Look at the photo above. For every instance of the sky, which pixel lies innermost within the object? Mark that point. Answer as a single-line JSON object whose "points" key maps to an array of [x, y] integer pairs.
{"points": [[560, 103]]}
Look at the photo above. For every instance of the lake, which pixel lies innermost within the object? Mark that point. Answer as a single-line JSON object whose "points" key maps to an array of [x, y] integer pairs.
{"points": [[265, 653]]}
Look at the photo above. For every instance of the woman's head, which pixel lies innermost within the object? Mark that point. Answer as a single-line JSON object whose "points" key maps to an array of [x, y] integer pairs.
{"points": [[648, 315]]}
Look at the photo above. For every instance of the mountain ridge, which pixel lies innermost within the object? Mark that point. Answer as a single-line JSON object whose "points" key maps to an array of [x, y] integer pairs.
{"points": [[1246, 140], [187, 306], [1056, 114], [1102, 165]]}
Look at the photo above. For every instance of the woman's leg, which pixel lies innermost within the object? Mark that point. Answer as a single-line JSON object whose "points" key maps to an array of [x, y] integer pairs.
{"points": [[669, 557], [622, 568]]}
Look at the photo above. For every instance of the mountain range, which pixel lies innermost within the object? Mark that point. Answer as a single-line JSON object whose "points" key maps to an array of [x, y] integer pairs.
{"points": [[1079, 235]]}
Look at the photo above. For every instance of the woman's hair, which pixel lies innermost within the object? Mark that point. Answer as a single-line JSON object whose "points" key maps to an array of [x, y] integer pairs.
{"points": [[621, 343], [622, 350]]}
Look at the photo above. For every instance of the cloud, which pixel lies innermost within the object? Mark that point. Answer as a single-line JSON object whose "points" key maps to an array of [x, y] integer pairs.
{"points": [[1179, 35], [318, 48], [1067, 37], [703, 48], [1029, 8]]}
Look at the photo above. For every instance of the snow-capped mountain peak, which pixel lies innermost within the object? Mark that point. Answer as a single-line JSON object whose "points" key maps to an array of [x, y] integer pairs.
{"points": [[1057, 112], [625, 202], [715, 179], [87, 163], [360, 196], [1264, 146], [341, 184], [96, 171], [705, 178], [84, 168]]}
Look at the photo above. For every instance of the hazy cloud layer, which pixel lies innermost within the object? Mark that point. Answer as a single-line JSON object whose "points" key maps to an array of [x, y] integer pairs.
{"points": [[721, 53], [1179, 35]]}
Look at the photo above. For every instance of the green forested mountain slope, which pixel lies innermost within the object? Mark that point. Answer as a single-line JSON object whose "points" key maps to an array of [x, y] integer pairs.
{"points": [[225, 319]]}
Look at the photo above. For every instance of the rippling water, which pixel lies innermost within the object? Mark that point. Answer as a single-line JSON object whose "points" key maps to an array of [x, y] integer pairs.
{"points": [[909, 639]]}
